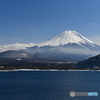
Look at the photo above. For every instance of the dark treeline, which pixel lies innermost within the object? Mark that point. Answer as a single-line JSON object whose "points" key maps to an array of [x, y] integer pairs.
{"points": [[11, 64]]}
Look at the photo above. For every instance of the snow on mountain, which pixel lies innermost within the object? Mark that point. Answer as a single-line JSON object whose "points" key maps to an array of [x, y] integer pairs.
{"points": [[65, 38], [16, 46], [69, 45], [15, 54]]}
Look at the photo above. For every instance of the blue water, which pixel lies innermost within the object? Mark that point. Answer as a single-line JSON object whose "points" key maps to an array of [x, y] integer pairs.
{"points": [[48, 85]]}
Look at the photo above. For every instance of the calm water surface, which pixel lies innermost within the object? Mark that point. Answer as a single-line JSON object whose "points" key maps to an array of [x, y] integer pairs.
{"points": [[48, 85]]}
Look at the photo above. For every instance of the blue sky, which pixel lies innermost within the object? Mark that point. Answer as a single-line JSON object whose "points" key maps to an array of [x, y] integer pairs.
{"points": [[26, 21]]}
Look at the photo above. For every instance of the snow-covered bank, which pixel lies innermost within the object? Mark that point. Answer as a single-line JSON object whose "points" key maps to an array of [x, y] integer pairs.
{"points": [[43, 70]]}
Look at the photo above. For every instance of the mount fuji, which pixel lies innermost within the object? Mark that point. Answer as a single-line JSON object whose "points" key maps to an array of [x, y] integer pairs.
{"points": [[65, 38], [67, 46]]}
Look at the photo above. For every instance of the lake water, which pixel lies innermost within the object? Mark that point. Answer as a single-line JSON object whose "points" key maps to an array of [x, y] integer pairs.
{"points": [[48, 85]]}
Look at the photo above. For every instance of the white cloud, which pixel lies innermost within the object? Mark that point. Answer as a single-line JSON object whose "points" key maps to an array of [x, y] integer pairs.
{"points": [[19, 30], [15, 46], [92, 23], [95, 39]]}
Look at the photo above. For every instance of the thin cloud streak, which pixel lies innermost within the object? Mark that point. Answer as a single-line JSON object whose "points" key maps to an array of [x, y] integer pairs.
{"points": [[19, 30], [92, 23]]}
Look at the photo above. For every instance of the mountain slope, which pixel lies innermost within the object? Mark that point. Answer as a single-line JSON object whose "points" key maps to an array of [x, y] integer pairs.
{"points": [[15, 54], [67, 46], [93, 62]]}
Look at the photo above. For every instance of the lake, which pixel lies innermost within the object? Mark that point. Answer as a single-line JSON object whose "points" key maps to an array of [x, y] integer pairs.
{"points": [[48, 85]]}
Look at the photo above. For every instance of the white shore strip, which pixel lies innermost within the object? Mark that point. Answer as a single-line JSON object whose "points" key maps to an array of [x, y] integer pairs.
{"points": [[43, 70], [33, 70]]}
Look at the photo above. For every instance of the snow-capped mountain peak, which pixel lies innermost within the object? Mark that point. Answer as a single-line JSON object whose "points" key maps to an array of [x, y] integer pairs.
{"points": [[65, 38], [67, 46]]}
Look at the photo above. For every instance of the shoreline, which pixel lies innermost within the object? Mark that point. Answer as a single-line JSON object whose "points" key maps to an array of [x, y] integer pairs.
{"points": [[43, 70]]}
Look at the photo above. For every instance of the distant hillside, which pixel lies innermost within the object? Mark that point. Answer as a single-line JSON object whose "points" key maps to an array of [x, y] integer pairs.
{"points": [[14, 54], [93, 62]]}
